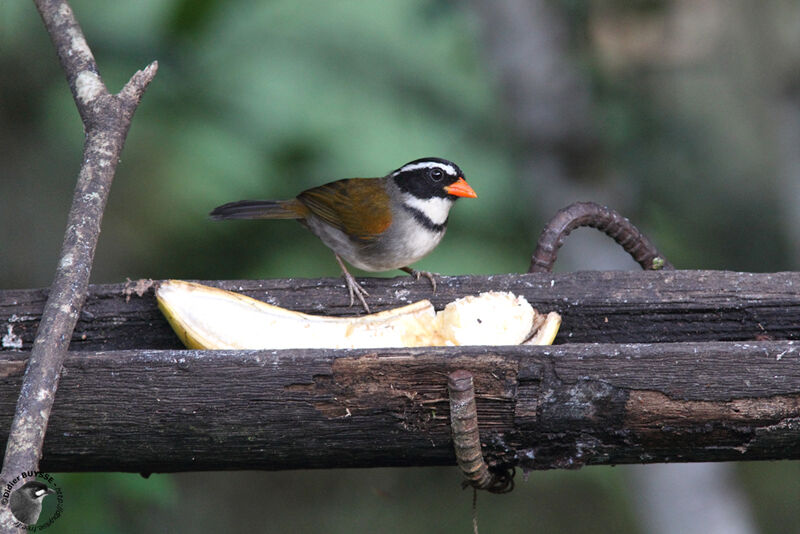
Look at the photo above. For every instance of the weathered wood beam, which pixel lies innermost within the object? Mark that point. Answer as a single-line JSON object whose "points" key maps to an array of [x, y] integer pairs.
{"points": [[609, 307], [539, 407]]}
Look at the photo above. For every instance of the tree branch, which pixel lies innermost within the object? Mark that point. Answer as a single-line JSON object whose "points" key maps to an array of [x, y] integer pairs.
{"points": [[561, 406], [106, 119], [596, 306], [610, 402]]}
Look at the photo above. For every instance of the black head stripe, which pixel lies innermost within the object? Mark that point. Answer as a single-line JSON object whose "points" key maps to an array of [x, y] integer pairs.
{"points": [[413, 177]]}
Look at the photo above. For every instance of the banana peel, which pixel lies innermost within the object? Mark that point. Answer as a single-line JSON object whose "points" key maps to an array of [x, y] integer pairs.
{"points": [[206, 317]]}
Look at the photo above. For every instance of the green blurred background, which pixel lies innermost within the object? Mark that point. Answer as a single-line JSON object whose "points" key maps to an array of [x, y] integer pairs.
{"points": [[683, 115]]}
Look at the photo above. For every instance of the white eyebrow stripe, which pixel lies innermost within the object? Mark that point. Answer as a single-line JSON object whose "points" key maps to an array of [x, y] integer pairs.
{"points": [[426, 165]]}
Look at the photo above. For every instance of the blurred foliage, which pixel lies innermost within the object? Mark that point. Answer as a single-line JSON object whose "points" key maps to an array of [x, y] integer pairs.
{"points": [[403, 500], [264, 99], [110, 503]]}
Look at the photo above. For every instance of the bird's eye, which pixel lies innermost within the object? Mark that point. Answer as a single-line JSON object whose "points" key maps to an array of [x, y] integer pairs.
{"points": [[436, 174]]}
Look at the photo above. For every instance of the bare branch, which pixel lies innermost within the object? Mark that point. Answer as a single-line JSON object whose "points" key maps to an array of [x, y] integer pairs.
{"points": [[106, 119], [143, 409], [596, 306], [555, 407]]}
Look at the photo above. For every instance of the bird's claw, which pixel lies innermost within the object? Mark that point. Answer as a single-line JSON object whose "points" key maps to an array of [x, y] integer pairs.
{"points": [[418, 274], [355, 290], [353, 287]]}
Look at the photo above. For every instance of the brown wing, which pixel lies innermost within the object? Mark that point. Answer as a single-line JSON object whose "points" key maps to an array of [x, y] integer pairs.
{"points": [[360, 207]]}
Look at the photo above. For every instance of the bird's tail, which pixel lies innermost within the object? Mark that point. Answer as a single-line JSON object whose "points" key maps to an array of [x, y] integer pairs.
{"points": [[260, 209]]}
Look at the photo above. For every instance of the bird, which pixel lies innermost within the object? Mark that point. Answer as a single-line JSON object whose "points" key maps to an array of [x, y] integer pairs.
{"points": [[26, 502], [375, 224]]}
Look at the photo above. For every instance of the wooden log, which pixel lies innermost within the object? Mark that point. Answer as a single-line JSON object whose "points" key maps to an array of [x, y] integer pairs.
{"points": [[623, 401], [539, 407], [608, 307]]}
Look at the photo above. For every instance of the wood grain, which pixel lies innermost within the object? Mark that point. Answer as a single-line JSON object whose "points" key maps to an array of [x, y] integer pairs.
{"points": [[597, 306], [539, 407]]}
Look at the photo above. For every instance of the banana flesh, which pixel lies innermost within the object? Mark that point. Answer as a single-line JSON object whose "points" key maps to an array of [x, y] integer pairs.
{"points": [[206, 317]]}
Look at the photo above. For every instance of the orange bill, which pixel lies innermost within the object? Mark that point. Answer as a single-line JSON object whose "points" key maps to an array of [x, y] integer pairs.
{"points": [[460, 189]]}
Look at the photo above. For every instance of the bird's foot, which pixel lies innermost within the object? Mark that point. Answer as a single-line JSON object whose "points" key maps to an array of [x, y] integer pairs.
{"points": [[353, 287], [418, 274], [355, 290]]}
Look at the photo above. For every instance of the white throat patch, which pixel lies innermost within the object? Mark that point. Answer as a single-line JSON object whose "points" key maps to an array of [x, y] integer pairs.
{"points": [[436, 209]]}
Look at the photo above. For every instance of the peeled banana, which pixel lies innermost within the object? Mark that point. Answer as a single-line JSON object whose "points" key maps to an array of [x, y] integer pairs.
{"points": [[206, 317]]}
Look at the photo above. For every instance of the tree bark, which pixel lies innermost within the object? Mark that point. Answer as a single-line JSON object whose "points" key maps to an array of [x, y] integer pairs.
{"points": [[671, 366], [539, 407], [106, 118], [607, 307]]}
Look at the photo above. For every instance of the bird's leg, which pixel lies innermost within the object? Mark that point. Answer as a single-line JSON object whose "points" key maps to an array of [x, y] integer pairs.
{"points": [[417, 274], [352, 286]]}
